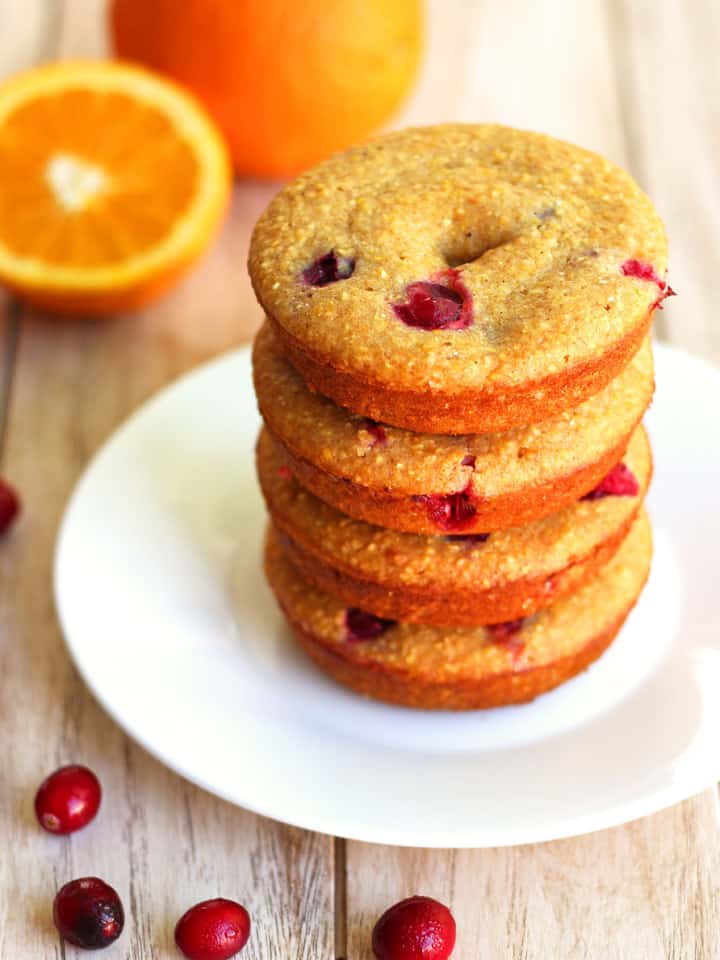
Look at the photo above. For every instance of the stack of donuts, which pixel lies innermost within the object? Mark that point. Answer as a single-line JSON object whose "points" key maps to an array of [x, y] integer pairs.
{"points": [[452, 375]]}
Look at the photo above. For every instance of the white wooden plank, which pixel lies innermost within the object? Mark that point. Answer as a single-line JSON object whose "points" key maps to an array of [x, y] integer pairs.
{"points": [[646, 890], [669, 74]]}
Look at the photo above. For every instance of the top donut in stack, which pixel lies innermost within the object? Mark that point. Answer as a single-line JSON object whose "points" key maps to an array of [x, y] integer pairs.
{"points": [[534, 264]]}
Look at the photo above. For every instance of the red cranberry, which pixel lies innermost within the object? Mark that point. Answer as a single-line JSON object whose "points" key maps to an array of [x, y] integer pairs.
{"points": [[455, 511], [500, 631], [361, 625], [213, 930], [376, 431], [68, 799], [418, 928], [437, 306], [88, 913], [620, 482], [503, 631], [666, 292], [328, 269], [507, 635], [646, 271], [641, 270], [9, 506]]}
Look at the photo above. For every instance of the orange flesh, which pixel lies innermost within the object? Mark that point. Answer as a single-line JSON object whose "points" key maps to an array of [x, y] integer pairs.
{"points": [[148, 177]]}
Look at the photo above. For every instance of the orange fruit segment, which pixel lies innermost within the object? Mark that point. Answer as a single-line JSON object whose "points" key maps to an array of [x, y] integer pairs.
{"points": [[112, 181]]}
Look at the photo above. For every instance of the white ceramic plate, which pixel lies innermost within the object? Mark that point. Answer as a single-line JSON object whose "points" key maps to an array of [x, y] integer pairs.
{"points": [[167, 616]]}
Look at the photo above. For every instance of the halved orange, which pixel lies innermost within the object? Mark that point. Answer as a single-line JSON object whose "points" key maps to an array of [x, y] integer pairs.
{"points": [[112, 181]]}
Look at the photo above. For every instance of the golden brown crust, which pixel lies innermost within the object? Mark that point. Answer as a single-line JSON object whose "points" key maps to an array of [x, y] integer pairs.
{"points": [[536, 238], [393, 464], [455, 608], [461, 667], [496, 691], [481, 411], [410, 514], [448, 581]]}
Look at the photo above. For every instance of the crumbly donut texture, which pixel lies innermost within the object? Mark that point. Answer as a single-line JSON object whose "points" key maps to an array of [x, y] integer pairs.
{"points": [[394, 477], [441, 580], [466, 668], [537, 236]]}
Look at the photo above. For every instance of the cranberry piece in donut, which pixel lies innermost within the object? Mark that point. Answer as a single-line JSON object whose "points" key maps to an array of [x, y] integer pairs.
{"points": [[443, 304], [329, 268], [646, 271]]}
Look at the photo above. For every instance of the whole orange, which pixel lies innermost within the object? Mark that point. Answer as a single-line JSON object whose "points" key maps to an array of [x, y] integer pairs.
{"points": [[288, 83]]}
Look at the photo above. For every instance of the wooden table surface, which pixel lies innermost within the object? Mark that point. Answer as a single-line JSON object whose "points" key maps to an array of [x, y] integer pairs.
{"points": [[634, 79]]}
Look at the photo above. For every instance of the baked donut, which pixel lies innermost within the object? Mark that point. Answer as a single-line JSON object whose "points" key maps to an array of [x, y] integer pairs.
{"points": [[460, 278], [455, 580], [462, 668], [429, 483]]}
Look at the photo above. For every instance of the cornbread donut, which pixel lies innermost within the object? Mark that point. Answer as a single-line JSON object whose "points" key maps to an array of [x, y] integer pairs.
{"points": [[463, 668], [428, 483], [460, 278], [449, 581]]}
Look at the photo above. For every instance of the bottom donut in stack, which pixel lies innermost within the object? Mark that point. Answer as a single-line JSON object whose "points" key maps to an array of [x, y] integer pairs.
{"points": [[462, 668]]}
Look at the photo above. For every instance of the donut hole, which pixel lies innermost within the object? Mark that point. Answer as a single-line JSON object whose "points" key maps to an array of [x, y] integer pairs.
{"points": [[472, 244]]}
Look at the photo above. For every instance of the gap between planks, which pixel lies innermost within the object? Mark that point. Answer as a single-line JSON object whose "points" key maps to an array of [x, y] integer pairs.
{"points": [[340, 897], [11, 333], [46, 47]]}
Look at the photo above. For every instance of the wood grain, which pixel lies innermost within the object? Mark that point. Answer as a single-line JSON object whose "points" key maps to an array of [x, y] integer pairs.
{"points": [[542, 67], [629, 78], [647, 890], [29, 33], [667, 63], [163, 843]]}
